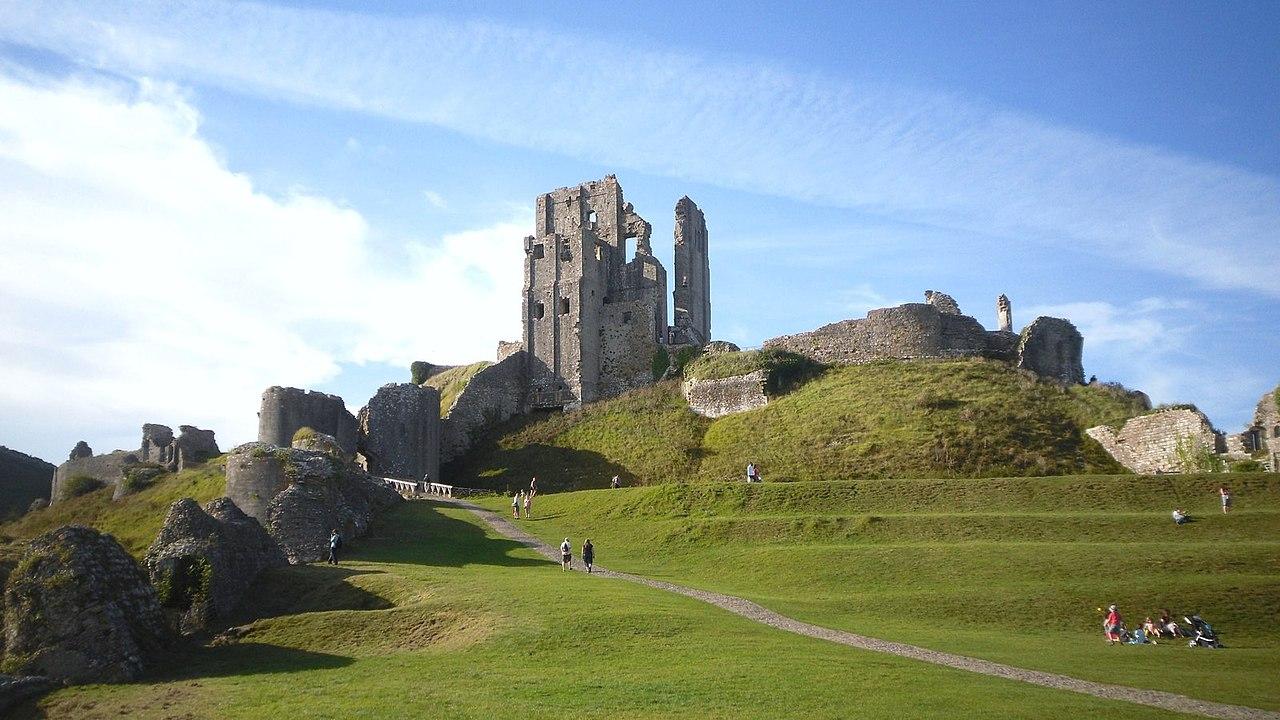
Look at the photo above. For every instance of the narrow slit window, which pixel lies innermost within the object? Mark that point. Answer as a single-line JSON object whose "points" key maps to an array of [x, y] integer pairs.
{"points": [[537, 251], [599, 253], [538, 311], [564, 306], [592, 219]]}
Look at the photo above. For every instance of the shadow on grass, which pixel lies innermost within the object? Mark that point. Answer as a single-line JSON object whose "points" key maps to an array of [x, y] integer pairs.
{"points": [[248, 658], [294, 589], [558, 469], [418, 533]]}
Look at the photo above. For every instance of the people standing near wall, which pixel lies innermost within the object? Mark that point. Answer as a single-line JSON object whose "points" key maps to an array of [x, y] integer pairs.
{"points": [[515, 504], [588, 554], [1225, 494], [528, 504], [566, 555]]}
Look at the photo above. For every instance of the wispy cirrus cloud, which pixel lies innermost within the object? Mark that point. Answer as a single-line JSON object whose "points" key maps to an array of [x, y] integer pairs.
{"points": [[904, 154]]}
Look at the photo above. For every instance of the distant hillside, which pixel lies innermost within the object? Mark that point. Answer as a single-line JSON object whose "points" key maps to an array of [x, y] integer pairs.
{"points": [[22, 479], [962, 418]]}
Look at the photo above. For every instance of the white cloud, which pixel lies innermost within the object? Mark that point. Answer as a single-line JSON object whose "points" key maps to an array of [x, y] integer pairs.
{"points": [[144, 281], [435, 199], [908, 155], [863, 298]]}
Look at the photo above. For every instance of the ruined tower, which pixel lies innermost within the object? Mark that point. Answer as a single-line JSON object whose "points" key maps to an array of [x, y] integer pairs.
{"points": [[1004, 313], [593, 319], [692, 293]]}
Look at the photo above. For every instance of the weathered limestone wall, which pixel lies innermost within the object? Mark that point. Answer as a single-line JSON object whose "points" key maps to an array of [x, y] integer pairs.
{"points": [[285, 410], [914, 330], [255, 475], [627, 345], [400, 432], [107, 469], [493, 395], [507, 348], [1052, 347], [1148, 444], [725, 396]]}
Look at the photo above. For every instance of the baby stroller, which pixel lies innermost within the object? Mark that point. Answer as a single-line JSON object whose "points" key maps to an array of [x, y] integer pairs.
{"points": [[1202, 632]]}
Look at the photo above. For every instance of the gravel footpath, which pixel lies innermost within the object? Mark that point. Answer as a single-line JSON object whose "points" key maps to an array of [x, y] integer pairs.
{"points": [[750, 610]]}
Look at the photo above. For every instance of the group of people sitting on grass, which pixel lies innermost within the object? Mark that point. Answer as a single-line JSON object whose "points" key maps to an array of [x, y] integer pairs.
{"points": [[1199, 631]]}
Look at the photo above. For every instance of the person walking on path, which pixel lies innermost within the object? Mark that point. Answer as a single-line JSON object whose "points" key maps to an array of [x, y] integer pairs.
{"points": [[528, 504], [1112, 625], [1226, 497], [533, 487], [588, 554], [335, 544], [615, 483], [515, 504], [566, 555]]}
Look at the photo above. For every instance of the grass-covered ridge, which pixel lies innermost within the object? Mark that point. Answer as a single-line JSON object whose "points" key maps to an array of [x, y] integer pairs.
{"points": [[135, 519], [452, 382], [963, 418], [432, 615], [1009, 569]]}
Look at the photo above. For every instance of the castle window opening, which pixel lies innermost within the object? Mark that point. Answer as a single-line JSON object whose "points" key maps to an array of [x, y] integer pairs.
{"points": [[626, 317], [599, 253], [591, 219], [684, 281], [626, 248], [565, 252], [538, 311], [537, 251], [564, 306]]}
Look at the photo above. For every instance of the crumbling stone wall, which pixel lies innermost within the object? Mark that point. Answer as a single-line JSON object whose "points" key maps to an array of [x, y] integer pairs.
{"points": [[159, 446], [725, 396], [492, 396], [1004, 314], [300, 495], [400, 432], [914, 330], [107, 469], [1052, 347], [1150, 444], [79, 609], [204, 560], [285, 410], [628, 345], [945, 303]]}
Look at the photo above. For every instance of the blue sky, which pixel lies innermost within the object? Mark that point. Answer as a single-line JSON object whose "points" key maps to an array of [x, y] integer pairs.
{"points": [[202, 200]]}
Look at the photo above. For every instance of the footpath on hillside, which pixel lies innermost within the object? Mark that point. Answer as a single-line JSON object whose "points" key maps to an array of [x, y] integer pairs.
{"points": [[752, 611]]}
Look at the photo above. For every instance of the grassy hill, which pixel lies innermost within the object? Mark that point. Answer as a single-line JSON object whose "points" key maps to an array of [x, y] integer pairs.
{"points": [[434, 616], [452, 382], [963, 418], [134, 520], [1013, 570]]}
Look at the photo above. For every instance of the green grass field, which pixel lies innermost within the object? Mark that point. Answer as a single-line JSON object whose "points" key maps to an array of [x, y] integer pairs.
{"points": [[434, 616], [963, 418], [1012, 570]]}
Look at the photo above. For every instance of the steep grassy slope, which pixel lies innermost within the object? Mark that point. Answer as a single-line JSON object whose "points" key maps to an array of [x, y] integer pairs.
{"points": [[890, 419], [452, 382], [1012, 570], [136, 519], [435, 617]]}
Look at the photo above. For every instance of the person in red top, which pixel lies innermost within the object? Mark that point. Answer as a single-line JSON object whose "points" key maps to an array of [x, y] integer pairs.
{"points": [[1112, 625]]}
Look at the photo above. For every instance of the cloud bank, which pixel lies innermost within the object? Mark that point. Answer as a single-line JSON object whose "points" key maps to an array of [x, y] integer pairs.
{"points": [[144, 281], [903, 154]]}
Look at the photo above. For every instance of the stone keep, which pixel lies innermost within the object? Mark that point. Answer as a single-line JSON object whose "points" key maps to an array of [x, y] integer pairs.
{"points": [[400, 432], [593, 317], [286, 410]]}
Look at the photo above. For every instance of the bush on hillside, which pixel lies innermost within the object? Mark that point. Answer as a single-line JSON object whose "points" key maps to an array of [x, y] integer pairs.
{"points": [[78, 485], [1246, 466], [418, 371], [304, 433], [786, 370], [140, 476]]}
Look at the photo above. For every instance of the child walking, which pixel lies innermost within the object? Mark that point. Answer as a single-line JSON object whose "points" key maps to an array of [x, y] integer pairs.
{"points": [[566, 555]]}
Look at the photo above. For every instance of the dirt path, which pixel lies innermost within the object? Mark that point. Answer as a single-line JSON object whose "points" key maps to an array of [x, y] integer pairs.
{"points": [[750, 610]]}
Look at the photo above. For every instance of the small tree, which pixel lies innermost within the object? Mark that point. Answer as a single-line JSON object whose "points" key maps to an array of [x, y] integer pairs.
{"points": [[1194, 457]]}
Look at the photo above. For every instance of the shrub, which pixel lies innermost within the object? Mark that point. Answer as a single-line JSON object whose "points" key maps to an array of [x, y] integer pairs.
{"points": [[418, 371], [1246, 466], [78, 485], [304, 433], [1196, 458], [141, 476], [661, 361]]}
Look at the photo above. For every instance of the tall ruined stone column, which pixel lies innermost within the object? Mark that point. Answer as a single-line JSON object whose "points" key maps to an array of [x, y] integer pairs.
{"points": [[1004, 313], [692, 292], [400, 432]]}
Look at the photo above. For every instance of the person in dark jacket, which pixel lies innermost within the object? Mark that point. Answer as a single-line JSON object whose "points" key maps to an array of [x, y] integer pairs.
{"points": [[335, 544], [588, 554]]}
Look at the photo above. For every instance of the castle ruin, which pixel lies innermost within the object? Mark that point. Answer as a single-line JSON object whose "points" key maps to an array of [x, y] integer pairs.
{"points": [[595, 315]]}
